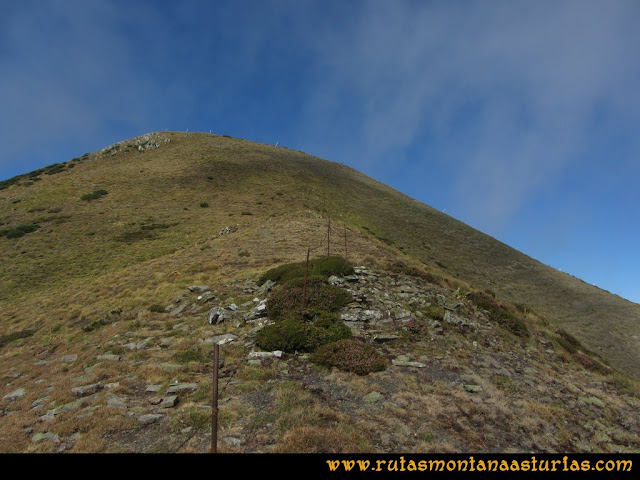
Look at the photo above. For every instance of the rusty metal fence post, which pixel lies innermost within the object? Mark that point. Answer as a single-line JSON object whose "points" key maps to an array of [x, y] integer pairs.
{"points": [[214, 405]]}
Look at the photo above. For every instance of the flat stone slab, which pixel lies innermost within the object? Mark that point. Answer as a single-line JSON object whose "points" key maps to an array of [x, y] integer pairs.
{"points": [[153, 388], [86, 390], [404, 363], [372, 397], [15, 394], [115, 401], [169, 402], [473, 388], [221, 339], [109, 356], [276, 353], [179, 387], [149, 418], [69, 358], [199, 288], [39, 437], [67, 407]]}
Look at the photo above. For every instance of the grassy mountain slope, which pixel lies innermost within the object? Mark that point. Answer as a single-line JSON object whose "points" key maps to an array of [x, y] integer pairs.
{"points": [[180, 209]]}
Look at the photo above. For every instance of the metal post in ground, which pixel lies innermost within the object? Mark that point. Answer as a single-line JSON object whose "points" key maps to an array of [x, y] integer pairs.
{"points": [[214, 416], [304, 288], [346, 256]]}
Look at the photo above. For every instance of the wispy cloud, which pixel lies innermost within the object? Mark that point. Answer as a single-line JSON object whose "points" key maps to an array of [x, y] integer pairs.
{"points": [[510, 93]]}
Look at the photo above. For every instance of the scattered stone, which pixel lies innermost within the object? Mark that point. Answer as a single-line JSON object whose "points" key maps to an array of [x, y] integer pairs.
{"points": [[155, 400], [255, 362], [335, 280], [592, 400], [178, 387], [404, 363], [206, 297], [232, 307], [276, 353], [86, 390], [385, 338], [144, 343], [266, 287], [216, 315], [154, 388], [179, 309], [109, 356], [70, 358], [115, 401], [199, 288], [109, 386], [372, 397], [67, 407], [473, 388], [233, 441], [257, 312], [169, 402], [221, 339], [39, 437], [149, 418], [129, 346], [39, 403], [15, 394]]}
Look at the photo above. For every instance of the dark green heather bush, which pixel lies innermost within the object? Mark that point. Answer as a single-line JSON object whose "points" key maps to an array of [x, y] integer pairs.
{"points": [[93, 195], [324, 266], [295, 335], [287, 299], [499, 313], [350, 355], [19, 231]]}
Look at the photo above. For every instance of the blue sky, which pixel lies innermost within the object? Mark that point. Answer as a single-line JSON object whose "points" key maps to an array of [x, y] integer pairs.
{"points": [[519, 118]]}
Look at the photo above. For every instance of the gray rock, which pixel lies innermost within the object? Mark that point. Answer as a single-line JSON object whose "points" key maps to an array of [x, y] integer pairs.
{"points": [[372, 397], [15, 394], [206, 297], [169, 402], [221, 339], [233, 441], [109, 356], [473, 388], [404, 363], [199, 288], [69, 358], [149, 418], [179, 387], [276, 353], [39, 437], [266, 287], [335, 280], [86, 390], [259, 311], [153, 388], [179, 309], [67, 407], [115, 401], [232, 307], [144, 343], [216, 315], [39, 403]]}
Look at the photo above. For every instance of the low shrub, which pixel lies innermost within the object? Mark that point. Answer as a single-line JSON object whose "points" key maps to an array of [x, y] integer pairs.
{"points": [[323, 266], [243, 253], [93, 195], [570, 343], [157, 308], [295, 335], [350, 355], [19, 231], [204, 204], [4, 339], [287, 299], [499, 313]]}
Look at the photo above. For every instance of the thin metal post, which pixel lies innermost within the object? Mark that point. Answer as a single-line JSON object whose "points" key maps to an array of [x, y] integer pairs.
{"points": [[304, 288], [214, 416], [346, 256], [328, 235]]}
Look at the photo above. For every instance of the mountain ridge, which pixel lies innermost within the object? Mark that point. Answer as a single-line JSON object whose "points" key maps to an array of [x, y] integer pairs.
{"points": [[97, 296]]}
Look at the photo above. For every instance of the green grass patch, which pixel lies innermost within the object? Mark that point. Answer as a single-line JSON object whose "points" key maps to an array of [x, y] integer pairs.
{"points": [[193, 355]]}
